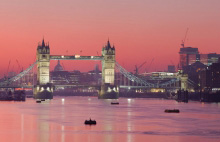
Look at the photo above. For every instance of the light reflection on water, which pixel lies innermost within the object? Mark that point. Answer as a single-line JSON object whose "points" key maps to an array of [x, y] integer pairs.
{"points": [[62, 119]]}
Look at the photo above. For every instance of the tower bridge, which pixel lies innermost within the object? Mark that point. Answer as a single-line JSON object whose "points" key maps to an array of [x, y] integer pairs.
{"points": [[43, 89]]}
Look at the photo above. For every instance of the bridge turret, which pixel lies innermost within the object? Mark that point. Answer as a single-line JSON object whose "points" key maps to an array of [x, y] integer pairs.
{"points": [[43, 48]]}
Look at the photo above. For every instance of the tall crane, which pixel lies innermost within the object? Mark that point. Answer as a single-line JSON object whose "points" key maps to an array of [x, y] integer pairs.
{"points": [[183, 41], [150, 64], [8, 68], [137, 68], [19, 67]]}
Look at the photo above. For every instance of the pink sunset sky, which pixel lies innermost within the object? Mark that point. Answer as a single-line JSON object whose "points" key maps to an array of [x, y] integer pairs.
{"points": [[141, 30]]}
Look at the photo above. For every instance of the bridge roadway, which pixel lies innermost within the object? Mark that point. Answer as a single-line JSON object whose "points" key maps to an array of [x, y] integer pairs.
{"points": [[75, 57], [95, 86], [31, 86], [145, 87]]}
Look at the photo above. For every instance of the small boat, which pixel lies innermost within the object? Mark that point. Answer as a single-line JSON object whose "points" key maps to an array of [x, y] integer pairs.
{"points": [[38, 101], [90, 122], [115, 103], [172, 111]]}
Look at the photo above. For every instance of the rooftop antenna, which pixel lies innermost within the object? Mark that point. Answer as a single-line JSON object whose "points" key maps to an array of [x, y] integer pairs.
{"points": [[183, 41]]}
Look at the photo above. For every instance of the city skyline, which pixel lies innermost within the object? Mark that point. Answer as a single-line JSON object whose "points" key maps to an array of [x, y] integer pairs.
{"points": [[141, 31]]}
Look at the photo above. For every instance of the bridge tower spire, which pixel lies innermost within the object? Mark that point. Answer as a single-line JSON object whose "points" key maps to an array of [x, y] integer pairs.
{"points": [[108, 88], [43, 89]]}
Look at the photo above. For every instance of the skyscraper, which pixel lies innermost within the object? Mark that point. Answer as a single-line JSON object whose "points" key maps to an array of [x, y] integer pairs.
{"points": [[187, 55]]}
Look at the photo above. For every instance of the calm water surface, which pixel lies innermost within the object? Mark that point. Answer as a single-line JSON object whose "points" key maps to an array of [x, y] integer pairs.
{"points": [[133, 120]]}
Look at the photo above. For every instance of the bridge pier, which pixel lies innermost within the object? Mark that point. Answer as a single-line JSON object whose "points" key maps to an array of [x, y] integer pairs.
{"points": [[43, 91], [109, 91]]}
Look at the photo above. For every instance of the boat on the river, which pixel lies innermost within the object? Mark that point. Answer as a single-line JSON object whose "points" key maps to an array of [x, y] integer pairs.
{"points": [[115, 103], [38, 101], [90, 122], [172, 110]]}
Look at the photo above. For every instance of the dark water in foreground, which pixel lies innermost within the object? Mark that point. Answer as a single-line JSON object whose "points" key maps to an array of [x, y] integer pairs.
{"points": [[133, 120]]}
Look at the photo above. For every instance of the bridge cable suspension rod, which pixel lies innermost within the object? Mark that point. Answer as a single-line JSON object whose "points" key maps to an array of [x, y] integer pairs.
{"points": [[18, 76], [132, 77]]}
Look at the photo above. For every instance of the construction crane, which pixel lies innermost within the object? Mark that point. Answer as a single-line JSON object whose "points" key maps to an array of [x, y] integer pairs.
{"points": [[8, 68], [149, 65], [12, 70], [183, 41], [137, 68], [19, 67]]}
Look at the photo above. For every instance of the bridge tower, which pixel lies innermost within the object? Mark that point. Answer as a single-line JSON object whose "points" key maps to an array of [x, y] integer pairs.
{"points": [[43, 89], [108, 88]]}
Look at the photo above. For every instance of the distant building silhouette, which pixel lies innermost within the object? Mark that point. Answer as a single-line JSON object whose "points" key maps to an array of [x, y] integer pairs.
{"points": [[75, 77], [171, 68], [190, 55], [185, 53], [210, 78], [58, 67]]}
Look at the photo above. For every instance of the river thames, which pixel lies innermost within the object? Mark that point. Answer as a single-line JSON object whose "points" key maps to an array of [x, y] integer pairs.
{"points": [[133, 120]]}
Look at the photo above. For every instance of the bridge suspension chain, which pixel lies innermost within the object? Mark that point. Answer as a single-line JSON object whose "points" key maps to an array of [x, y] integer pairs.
{"points": [[132, 77], [18, 76]]}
